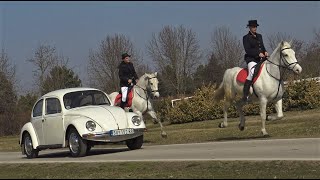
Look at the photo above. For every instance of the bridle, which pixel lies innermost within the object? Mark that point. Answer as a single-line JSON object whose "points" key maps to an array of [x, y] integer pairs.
{"points": [[285, 62], [149, 83], [286, 66], [146, 90]]}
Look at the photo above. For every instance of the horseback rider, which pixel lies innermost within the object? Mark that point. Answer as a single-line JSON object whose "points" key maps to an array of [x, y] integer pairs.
{"points": [[128, 77], [255, 52]]}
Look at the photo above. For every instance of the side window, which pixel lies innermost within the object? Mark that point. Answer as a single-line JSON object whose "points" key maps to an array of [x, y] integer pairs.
{"points": [[53, 106], [37, 110]]}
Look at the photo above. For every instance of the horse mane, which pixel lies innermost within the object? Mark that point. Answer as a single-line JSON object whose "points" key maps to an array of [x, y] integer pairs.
{"points": [[142, 79], [143, 76], [277, 49]]}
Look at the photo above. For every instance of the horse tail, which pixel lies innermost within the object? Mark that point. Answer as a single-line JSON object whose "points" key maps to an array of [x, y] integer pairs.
{"points": [[219, 93]]}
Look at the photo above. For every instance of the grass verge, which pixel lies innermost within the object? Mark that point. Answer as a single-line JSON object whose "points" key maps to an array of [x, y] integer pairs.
{"points": [[166, 170]]}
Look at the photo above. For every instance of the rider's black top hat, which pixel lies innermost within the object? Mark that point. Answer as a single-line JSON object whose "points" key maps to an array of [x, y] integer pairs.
{"points": [[124, 55], [252, 23]]}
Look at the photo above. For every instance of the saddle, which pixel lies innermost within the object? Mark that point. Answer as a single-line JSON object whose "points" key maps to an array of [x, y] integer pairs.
{"points": [[117, 100], [243, 74]]}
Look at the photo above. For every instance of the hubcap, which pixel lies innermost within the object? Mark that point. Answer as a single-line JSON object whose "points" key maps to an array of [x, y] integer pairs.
{"points": [[28, 145], [74, 143]]}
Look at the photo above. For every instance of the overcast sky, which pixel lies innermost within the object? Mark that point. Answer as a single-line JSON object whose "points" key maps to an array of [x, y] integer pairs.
{"points": [[75, 27]]}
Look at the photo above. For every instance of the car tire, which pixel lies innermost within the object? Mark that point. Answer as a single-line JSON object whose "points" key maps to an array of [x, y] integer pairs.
{"points": [[135, 143], [77, 145], [28, 147], [88, 149]]}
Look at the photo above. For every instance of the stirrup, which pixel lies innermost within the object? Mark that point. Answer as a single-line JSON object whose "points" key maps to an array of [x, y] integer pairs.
{"points": [[246, 99]]}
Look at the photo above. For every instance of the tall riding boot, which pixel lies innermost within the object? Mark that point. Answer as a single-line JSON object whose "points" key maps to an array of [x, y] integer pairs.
{"points": [[122, 104], [246, 89]]}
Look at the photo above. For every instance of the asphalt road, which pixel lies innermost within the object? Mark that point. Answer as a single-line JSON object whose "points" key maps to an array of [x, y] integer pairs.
{"points": [[259, 150]]}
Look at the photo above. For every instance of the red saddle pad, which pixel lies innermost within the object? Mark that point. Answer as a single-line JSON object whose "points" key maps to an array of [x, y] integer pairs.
{"points": [[242, 75], [117, 101]]}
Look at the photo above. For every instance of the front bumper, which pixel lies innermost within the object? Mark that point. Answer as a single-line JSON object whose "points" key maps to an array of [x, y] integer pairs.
{"points": [[106, 137]]}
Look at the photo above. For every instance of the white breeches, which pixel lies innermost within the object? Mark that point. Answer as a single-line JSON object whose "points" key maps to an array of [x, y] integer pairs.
{"points": [[251, 70], [124, 92]]}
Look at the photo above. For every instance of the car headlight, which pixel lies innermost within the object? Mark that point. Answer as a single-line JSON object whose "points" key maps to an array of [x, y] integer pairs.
{"points": [[136, 120], [90, 125]]}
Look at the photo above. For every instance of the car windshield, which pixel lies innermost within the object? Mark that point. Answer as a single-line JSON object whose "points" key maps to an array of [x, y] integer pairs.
{"points": [[84, 98]]}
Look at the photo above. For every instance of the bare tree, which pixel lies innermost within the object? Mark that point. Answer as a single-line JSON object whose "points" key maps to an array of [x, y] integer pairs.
{"points": [[44, 59], [142, 68], [104, 62], [317, 35], [311, 60], [176, 52], [226, 48], [275, 39], [7, 68]]}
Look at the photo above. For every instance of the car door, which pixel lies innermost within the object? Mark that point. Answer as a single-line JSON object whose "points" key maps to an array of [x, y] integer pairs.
{"points": [[37, 121], [53, 122]]}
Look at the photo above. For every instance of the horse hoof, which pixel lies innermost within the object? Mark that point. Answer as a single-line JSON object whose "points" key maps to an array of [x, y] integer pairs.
{"points": [[164, 135], [267, 118], [266, 135], [221, 125], [241, 127]]}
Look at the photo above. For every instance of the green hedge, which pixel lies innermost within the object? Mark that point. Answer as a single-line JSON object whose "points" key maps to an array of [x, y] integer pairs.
{"points": [[298, 96]]}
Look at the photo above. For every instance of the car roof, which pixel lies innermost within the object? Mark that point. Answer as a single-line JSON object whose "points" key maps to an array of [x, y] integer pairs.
{"points": [[62, 92]]}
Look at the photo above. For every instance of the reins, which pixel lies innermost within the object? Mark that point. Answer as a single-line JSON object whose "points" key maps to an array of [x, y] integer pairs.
{"points": [[286, 67], [146, 92]]}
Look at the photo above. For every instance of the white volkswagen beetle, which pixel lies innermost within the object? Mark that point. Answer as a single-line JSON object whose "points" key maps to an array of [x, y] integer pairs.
{"points": [[78, 118]]}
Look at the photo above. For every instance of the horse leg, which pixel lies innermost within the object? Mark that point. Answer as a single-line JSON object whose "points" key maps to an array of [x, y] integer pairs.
{"points": [[239, 106], [263, 107], [153, 115], [278, 107], [225, 115]]}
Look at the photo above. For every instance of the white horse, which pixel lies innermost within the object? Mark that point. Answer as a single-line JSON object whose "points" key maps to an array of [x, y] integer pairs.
{"points": [[141, 99], [268, 87]]}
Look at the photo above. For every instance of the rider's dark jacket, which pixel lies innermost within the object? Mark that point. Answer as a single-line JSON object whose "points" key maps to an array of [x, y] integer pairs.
{"points": [[126, 72], [253, 47]]}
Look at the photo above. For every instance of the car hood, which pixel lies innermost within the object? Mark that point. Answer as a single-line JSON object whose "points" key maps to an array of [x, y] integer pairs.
{"points": [[108, 117]]}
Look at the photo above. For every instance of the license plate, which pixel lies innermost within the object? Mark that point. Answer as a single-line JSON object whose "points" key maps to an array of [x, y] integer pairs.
{"points": [[121, 132]]}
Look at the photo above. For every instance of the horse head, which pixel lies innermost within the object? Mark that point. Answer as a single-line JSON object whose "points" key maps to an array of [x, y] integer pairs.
{"points": [[152, 83], [288, 58]]}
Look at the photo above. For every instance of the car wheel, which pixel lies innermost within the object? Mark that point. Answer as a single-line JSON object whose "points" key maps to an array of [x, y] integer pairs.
{"points": [[135, 143], [28, 147], [77, 146], [88, 149]]}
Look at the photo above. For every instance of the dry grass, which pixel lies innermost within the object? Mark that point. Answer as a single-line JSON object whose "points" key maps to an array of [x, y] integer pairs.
{"points": [[166, 170], [295, 124]]}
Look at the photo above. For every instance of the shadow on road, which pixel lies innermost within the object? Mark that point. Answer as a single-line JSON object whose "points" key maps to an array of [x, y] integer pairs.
{"points": [[106, 151], [92, 152], [240, 138]]}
